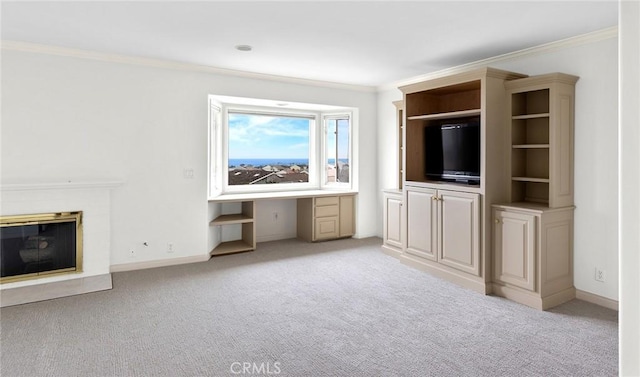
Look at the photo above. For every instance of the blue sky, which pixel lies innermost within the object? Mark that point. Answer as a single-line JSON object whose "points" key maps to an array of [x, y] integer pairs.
{"points": [[263, 136]]}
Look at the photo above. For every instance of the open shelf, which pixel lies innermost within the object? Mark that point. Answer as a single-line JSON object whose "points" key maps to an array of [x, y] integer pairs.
{"points": [[231, 247], [243, 218], [530, 131], [448, 99], [541, 113], [231, 219], [530, 162], [530, 116], [530, 191], [525, 146], [453, 114], [530, 179], [530, 146], [530, 103]]}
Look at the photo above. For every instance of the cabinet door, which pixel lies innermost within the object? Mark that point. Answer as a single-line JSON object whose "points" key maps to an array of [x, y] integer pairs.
{"points": [[326, 228], [393, 221], [460, 230], [347, 219], [422, 222], [514, 248]]}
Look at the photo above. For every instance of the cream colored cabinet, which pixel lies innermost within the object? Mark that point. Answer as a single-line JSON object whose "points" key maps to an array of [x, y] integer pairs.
{"points": [[460, 230], [460, 248], [422, 222], [347, 226], [533, 234], [325, 218], [533, 258], [393, 222], [514, 240], [443, 226]]}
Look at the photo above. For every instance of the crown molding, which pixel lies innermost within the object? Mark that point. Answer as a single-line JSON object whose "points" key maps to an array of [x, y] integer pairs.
{"points": [[169, 64], [592, 37]]}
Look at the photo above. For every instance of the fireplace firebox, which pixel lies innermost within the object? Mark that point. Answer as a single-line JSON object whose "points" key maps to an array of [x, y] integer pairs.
{"points": [[33, 246]]}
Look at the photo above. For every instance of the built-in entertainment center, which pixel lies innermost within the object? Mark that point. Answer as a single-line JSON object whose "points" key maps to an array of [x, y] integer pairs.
{"points": [[487, 190]]}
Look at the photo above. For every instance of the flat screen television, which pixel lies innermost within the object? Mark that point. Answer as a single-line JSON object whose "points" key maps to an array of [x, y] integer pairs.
{"points": [[452, 150]]}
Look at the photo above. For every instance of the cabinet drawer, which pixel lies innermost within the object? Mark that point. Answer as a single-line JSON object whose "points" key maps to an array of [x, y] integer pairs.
{"points": [[326, 201], [326, 211]]}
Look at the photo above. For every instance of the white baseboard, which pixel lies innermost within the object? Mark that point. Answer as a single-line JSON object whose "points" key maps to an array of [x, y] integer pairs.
{"points": [[57, 289], [158, 263], [598, 300]]}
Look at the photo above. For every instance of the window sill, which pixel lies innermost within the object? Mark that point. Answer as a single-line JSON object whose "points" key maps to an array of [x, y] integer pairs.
{"points": [[279, 195]]}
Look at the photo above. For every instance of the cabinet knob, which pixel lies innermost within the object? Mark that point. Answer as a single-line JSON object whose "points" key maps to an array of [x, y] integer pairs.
{"points": [[497, 221]]}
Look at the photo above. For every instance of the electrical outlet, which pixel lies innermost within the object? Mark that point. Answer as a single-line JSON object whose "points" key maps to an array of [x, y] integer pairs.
{"points": [[600, 275], [170, 247]]}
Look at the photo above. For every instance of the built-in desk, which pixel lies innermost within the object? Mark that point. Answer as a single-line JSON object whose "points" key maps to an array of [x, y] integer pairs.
{"points": [[321, 215]]}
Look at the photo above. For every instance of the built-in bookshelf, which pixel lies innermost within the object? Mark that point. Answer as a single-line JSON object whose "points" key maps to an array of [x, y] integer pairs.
{"points": [[245, 219], [541, 127]]}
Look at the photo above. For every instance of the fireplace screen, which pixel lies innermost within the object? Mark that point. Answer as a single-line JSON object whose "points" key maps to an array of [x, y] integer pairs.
{"points": [[35, 245]]}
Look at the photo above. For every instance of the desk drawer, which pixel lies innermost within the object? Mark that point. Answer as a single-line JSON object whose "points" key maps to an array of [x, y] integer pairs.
{"points": [[326, 211], [327, 201]]}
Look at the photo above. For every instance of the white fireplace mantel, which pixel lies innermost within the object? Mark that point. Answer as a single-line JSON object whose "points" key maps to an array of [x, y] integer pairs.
{"points": [[93, 198]]}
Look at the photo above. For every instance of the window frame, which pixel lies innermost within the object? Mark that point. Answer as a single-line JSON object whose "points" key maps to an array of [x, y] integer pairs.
{"points": [[324, 155], [218, 144]]}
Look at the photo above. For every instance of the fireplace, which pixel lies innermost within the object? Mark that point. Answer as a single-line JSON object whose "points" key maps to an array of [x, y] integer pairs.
{"points": [[33, 246]]}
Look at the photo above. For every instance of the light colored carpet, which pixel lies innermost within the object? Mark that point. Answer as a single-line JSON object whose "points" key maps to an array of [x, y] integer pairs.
{"points": [[339, 308]]}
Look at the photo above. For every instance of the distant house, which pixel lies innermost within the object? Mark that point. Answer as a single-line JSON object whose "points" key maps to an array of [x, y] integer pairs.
{"points": [[294, 168], [331, 173]]}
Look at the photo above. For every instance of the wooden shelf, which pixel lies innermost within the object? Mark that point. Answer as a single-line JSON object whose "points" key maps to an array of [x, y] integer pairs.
{"points": [[531, 116], [452, 114], [231, 247], [530, 146], [433, 100], [231, 219], [541, 112], [530, 179], [244, 218]]}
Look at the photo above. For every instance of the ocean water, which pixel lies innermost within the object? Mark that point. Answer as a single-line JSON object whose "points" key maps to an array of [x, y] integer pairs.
{"points": [[274, 161], [268, 161]]}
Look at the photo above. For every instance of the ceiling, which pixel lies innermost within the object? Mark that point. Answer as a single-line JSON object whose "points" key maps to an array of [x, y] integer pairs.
{"points": [[368, 43]]}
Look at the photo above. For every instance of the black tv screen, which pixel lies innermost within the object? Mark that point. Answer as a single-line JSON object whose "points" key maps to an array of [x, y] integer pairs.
{"points": [[452, 150]]}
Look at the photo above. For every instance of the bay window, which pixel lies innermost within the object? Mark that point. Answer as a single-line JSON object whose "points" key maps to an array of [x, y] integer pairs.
{"points": [[260, 146]]}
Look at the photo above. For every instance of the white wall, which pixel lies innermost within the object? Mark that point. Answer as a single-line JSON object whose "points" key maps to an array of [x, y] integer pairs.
{"points": [[596, 222], [629, 183], [77, 119], [276, 220]]}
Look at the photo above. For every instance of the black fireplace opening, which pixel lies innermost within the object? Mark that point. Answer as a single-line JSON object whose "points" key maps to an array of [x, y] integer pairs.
{"points": [[37, 247]]}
